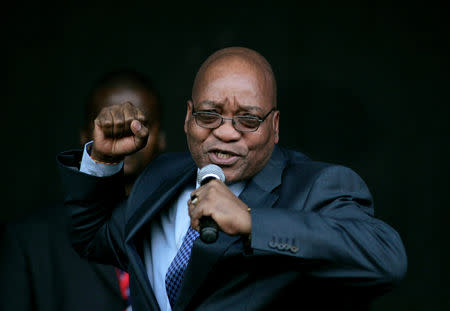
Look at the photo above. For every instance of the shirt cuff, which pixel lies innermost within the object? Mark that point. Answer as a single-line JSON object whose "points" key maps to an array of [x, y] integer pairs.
{"points": [[93, 168]]}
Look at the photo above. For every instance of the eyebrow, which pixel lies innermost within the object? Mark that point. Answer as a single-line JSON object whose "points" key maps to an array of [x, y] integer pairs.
{"points": [[214, 104]]}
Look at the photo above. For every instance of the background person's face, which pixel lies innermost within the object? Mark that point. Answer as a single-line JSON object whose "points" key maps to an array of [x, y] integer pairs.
{"points": [[232, 89]]}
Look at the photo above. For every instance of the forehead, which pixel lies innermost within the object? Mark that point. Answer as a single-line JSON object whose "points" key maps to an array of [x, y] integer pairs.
{"points": [[233, 81], [142, 99]]}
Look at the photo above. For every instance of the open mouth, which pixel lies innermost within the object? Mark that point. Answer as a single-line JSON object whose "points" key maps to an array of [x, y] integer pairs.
{"points": [[221, 157]]}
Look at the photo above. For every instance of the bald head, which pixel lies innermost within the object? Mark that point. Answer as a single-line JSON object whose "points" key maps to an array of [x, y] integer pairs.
{"points": [[236, 60]]}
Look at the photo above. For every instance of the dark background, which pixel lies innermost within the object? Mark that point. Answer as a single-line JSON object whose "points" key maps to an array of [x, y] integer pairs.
{"points": [[361, 85]]}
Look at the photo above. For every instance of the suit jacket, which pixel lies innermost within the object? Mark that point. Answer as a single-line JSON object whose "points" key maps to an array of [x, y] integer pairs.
{"points": [[40, 270], [315, 243]]}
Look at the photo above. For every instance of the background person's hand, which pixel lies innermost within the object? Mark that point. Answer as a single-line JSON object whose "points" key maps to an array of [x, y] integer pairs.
{"points": [[119, 130]]}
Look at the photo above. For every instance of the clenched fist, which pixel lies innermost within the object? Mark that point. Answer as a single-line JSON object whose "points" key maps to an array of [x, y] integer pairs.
{"points": [[119, 130]]}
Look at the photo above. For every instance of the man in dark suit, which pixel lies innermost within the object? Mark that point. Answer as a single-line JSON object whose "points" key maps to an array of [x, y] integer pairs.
{"points": [[40, 270], [294, 233]]}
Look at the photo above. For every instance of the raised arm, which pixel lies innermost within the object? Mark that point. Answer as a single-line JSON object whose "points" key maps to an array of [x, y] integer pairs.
{"points": [[97, 220]]}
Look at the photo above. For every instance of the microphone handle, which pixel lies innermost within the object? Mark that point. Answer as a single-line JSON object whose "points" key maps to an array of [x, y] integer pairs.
{"points": [[209, 230]]}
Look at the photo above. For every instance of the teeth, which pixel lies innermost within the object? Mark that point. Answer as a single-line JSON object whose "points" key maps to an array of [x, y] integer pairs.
{"points": [[222, 155]]}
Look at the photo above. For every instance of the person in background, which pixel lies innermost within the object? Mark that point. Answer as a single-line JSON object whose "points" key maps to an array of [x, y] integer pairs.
{"points": [[133, 87], [40, 270]]}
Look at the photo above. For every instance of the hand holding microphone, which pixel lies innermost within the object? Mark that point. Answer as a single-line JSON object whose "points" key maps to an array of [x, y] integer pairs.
{"points": [[214, 207]]}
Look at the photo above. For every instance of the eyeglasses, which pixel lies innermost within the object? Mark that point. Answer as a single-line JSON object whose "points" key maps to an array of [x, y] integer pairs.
{"points": [[212, 120]]}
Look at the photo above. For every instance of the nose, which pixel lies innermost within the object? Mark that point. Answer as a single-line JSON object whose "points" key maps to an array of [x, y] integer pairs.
{"points": [[226, 131]]}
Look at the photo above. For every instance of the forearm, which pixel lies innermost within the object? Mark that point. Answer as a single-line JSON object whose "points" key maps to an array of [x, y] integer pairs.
{"points": [[364, 252], [332, 231], [92, 203]]}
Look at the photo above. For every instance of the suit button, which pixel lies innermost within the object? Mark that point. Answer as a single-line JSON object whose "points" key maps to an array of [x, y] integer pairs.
{"points": [[273, 244], [283, 246], [294, 249]]}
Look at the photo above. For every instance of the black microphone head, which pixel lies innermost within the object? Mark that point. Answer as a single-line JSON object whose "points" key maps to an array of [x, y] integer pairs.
{"points": [[208, 172]]}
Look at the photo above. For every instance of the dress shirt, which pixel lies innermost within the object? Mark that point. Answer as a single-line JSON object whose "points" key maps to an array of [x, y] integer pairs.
{"points": [[166, 231]]}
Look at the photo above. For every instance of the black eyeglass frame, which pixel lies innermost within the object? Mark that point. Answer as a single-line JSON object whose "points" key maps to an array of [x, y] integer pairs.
{"points": [[233, 121]]}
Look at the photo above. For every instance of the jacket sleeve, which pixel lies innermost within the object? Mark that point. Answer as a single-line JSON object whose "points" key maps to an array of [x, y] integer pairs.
{"points": [[97, 209], [331, 228]]}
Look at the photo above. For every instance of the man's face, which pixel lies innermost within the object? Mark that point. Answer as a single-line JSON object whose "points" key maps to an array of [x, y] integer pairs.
{"points": [[233, 89]]}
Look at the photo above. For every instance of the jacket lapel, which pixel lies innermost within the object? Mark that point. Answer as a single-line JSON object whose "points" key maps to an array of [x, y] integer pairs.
{"points": [[159, 198], [258, 193], [137, 228]]}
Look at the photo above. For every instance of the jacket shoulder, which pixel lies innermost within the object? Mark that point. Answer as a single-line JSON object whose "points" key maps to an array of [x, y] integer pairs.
{"points": [[298, 164], [167, 163], [296, 160], [158, 171]]}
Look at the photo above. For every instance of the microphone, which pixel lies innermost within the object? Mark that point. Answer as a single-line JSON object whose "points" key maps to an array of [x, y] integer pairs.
{"points": [[209, 230]]}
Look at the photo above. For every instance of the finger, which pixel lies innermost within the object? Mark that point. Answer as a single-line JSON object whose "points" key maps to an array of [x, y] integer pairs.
{"points": [[129, 113], [200, 209], [141, 117], [194, 208], [118, 122], [191, 207], [140, 134], [195, 223], [104, 122], [197, 192], [98, 127], [194, 200]]}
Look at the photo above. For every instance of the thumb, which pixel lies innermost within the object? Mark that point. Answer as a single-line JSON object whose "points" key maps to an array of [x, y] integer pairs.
{"points": [[140, 133]]}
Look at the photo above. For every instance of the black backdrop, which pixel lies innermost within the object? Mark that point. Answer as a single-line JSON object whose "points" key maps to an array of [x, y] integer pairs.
{"points": [[361, 85]]}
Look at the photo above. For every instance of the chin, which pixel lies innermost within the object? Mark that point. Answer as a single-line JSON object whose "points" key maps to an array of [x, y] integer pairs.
{"points": [[231, 177]]}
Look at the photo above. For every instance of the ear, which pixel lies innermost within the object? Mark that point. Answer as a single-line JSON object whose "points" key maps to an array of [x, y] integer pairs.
{"points": [[188, 114], [275, 125]]}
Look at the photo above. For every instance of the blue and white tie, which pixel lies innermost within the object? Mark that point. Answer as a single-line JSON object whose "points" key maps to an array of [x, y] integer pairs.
{"points": [[175, 273]]}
